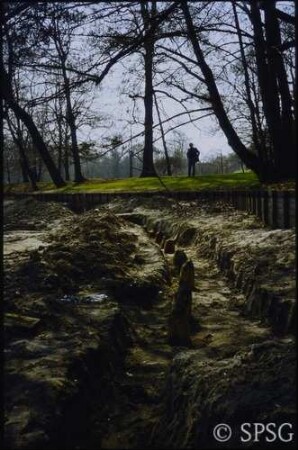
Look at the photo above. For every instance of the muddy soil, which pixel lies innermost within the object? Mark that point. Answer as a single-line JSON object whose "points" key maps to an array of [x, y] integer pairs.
{"points": [[66, 331], [88, 298]]}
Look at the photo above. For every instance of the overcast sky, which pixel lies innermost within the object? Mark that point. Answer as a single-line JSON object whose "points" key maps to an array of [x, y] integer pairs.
{"points": [[205, 135]]}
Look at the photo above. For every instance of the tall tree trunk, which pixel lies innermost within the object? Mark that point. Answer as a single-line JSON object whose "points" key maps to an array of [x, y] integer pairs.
{"points": [[24, 172], [32, 129], [24, 162], [148, 169], [38, 142], [39, 169], [249, 158], [70, 117], [285, 151], [252, 109], [258, 115], [268, 90], [66, 167], [168, 162], [60, 144], [73, 129], [130, 156], [65, 158], [8, 171]]}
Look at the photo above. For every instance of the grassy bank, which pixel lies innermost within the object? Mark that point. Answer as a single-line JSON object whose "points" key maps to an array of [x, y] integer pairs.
{"points": [[228, 181], [101, 185]]}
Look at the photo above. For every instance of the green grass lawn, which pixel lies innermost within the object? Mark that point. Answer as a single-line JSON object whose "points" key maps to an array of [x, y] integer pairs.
{"points": [[100, 185], [228, 181]]}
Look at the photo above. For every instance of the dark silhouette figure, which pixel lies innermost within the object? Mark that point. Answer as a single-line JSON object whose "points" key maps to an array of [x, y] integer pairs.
{"points": [[193, 156]]}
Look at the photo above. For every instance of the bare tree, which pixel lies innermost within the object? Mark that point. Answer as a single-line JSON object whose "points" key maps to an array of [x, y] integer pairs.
{"points": [[19, 111], [60, 31], [274, 88], [270, 165]]}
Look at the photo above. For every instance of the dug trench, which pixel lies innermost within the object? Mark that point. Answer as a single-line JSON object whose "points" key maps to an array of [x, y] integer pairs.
{"points": [[89, 301]]}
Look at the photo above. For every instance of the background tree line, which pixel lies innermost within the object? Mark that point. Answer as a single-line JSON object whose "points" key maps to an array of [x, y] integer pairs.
{"points": [[232, 61], [121, 163]]}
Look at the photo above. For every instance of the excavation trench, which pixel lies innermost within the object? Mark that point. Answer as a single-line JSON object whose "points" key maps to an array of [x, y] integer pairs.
{"points": [[87, 344]]}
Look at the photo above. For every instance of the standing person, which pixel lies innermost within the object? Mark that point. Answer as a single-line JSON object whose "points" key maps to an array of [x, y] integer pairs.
{"points": [[193, 156]]}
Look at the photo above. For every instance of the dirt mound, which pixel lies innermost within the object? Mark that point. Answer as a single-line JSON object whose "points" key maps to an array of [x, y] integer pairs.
{"points": [[65, 333], [128, 205], [31, 214], [91, 248], [97, 250], [233, 391]]}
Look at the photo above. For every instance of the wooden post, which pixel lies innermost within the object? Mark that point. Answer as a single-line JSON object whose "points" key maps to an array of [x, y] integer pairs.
{"points": [[179, 320], [286, 209], [237, 196], [292, 209], [265, 208], [241, 199], [247, 195], [259, 204], [274, 223], [253, 202], [250, 201], [280, 209], [230, 197]]}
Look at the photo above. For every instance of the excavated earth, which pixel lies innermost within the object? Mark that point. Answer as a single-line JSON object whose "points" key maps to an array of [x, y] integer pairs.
{"points": [[87, 359]]}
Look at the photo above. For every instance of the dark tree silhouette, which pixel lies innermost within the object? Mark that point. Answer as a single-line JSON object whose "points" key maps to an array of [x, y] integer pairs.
{"points": [[272, 159]]}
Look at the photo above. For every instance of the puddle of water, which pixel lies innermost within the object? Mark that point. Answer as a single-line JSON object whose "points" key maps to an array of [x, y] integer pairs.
{"points": [[96, 298], [84, 299]]}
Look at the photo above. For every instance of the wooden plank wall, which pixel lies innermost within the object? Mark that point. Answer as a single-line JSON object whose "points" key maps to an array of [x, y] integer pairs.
{"points": [[277, 209]]}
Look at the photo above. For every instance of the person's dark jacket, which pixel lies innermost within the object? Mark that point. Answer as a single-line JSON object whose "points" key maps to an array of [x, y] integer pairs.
{"points": [[193, 154]]}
